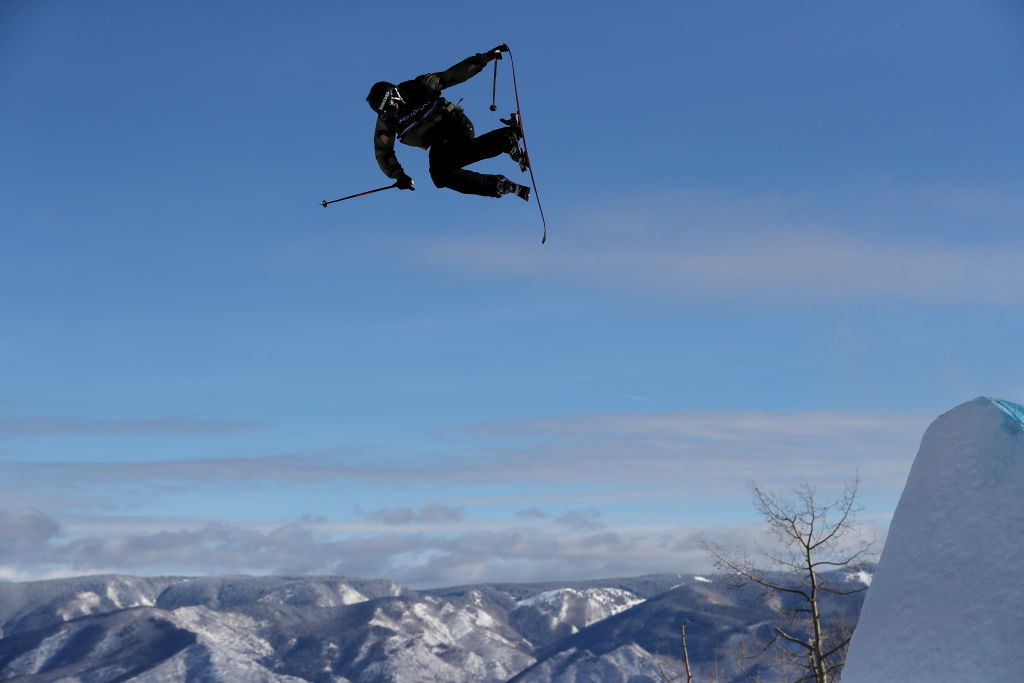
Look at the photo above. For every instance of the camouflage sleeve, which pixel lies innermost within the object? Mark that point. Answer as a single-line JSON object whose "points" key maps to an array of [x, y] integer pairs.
{"points": [[384, 149], [463, 71]]}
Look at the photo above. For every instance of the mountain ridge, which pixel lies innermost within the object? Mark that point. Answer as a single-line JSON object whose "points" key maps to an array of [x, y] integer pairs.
{"points": [[338, 629]]}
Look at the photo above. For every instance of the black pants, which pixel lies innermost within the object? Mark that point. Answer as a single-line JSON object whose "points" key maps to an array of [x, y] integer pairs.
{"points": [[457, 148]]}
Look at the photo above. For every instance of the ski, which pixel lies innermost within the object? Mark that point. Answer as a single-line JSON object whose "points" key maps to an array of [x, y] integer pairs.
{"points": [[526, 150]]}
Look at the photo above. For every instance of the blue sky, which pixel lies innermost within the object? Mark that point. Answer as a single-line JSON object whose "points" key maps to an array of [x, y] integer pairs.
{"points": [[781, 241]]}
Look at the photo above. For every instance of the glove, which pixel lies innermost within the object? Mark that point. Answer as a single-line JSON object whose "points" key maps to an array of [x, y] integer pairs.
{"points": [[404, 182], [495, 52]]}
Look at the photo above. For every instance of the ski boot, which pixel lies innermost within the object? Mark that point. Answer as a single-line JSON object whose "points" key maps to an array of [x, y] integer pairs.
{"points": [[516, 150], [506, 186]]}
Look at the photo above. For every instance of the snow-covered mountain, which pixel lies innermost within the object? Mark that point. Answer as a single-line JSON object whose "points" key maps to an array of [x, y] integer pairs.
{"points": [[298, 628]]}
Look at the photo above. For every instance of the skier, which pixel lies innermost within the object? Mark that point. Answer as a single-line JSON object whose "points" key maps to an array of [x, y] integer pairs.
{"points": [[415, 113]]}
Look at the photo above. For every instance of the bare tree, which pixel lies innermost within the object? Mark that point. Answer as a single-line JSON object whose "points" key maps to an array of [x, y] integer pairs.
{"points": [[686, 657], [813, 539]]}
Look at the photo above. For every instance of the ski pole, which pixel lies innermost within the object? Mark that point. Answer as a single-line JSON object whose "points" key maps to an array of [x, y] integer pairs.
{"points": [[324, 203], [494, 90]]}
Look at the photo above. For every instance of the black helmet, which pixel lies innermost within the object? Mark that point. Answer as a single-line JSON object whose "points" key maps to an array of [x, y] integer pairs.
{"points": [[382, 94]]}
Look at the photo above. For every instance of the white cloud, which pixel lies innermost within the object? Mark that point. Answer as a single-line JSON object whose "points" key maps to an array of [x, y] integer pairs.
{"points": [[701, 247], [581, 519], [25, 532], [708, 449], [711, 450], [489, 552], [430, 514], [561, 479], [492, 552]]}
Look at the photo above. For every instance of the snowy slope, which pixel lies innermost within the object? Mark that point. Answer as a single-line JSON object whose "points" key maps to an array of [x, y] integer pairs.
{"points": [[946, 601], [627, 646]]}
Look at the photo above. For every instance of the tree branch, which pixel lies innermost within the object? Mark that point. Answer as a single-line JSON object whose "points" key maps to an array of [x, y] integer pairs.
{"points": [[786, 636]]}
